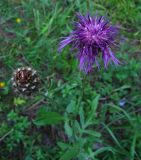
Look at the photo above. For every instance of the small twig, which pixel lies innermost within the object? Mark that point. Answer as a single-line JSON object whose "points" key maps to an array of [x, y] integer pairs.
{"points": [[2, 138], [35, 105], [103, 98]]}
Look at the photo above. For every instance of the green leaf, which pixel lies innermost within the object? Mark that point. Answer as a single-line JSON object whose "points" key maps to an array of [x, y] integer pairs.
{"points": [[92, 113], [62, 145], [123, 111], [93, 133], [122, 88], [68, 129], [71, 107], [47, 118], [132, 152], [94, 103], [103, 149], [19, 101], [28, 157], [71, 153], [82, 119], [117, 142]]}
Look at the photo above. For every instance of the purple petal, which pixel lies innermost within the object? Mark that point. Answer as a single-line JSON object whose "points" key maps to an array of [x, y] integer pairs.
{"points": [[106, 57], [114, 59], [65, 42], [86, 60], [109, 55]]}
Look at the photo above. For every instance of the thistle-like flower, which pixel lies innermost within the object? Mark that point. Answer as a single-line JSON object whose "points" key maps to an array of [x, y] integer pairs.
{"points": [[92, 37]]}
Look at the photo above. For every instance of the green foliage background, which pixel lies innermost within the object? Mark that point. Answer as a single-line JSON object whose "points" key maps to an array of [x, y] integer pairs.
{"points": [[73, 116]]}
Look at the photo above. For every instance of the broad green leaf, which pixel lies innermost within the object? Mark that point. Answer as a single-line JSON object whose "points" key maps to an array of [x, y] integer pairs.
{"points": [[71, 153], [71, 106], [94, 103], [92, 113], [47, 118]]}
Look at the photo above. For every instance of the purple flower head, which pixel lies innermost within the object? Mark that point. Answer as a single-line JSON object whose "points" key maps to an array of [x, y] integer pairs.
{"points": [[92, 36]]}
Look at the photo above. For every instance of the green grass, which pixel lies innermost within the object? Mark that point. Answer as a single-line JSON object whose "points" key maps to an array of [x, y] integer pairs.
{"points": [[72, 116]]}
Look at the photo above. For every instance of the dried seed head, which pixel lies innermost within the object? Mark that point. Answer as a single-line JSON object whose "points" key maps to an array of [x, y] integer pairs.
{"points": [[25, 81]]}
